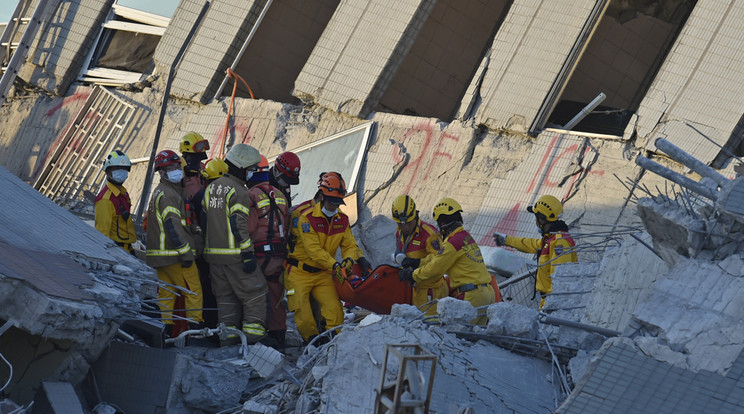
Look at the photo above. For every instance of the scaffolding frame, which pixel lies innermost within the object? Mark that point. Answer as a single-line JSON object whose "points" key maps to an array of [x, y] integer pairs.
{"points": [[408, 393]]}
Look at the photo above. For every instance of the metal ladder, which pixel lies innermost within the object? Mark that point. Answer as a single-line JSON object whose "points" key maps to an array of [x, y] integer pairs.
{"points": [[16, 58]]}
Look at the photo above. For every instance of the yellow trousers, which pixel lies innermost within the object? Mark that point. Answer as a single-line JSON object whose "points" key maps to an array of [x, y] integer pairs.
{"points": [[423, 295], [300, 285], [185, 277]]}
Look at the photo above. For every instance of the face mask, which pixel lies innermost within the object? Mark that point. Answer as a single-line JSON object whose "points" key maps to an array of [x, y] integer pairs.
{"points": [[175, 176], [329, 213], [119, 176], [281, 182], [248, 175]]}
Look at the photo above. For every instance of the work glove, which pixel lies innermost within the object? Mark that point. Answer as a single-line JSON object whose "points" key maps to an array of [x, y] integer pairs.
{"points": [[338, 272], [412, 263], [249, 262], [366, 265], [186, 263], [348, 265], [397, 257], [405, 274], [500, 239]]}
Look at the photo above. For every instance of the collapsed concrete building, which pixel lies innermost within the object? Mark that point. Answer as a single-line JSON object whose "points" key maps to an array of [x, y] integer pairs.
{"points": [[432, 99]]}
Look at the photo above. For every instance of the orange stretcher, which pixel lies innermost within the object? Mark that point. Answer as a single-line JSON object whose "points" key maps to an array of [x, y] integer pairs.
{"points": [[379, 291]]}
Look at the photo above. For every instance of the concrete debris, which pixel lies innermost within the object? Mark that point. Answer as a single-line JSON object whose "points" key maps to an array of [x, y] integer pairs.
{"points": [[733, 265], [402, 310], [502, 261], [454, 311], [512, 319], [263, 359]]}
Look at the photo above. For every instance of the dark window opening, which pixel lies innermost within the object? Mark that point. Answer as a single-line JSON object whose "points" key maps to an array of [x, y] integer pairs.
{"points": [[622, 58], [128, 51], [434, 75], [280, 47]]}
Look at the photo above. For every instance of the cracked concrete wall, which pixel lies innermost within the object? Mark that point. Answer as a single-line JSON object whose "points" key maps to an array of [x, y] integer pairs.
{"points": [[695, 97]]}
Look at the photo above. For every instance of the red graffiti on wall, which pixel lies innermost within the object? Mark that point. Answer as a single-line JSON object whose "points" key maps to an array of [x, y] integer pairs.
{"points": [[540, 181], [430, 138], [242, 133], [79, 96]]}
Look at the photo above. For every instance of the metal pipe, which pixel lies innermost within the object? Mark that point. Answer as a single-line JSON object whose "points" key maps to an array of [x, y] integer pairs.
{"points": [[584, 112], [149, 174], [242, 49], [690, 162], [680, 179], [545, 318]]}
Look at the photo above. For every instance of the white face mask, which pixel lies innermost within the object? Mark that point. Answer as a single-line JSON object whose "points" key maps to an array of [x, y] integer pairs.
{"points": [[175, 176], [119, 176], [329, 213], [248, 175]]}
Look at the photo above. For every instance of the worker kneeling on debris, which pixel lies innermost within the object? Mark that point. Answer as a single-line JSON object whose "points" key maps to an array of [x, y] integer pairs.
{"points": [[237, 281], [555, 247], [169, 242], [311, 265], [417, 242], [459, 257]]}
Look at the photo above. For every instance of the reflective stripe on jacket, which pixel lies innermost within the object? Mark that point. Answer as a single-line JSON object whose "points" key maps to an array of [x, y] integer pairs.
{"points": [[112, 203], [166, 205], [460, 258], [227, 205], [424, 245], [555, 248], [319, 239]]}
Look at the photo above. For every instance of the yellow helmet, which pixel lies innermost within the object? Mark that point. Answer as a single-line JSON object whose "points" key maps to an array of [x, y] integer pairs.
{"points": [[214, 169], [446, 207], [549, 206], [404, 209], [194, 143]]}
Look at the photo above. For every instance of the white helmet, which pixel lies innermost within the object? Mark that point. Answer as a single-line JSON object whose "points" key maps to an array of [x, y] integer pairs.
{"points": [[117, 159], [243, 156]]}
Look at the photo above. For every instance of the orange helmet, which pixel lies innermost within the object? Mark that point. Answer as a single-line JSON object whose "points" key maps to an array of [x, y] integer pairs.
{"points": [[331, 184], [263, 165]]}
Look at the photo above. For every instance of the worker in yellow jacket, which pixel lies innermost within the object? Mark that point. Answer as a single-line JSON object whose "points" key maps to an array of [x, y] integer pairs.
{"points": [[113, 205], [312, 264], [459, 257], [170, 242], [419, 241], [556, 246]]}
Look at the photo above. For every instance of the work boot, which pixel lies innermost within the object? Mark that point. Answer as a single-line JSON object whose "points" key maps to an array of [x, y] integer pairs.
{"points": [[274, 339]]}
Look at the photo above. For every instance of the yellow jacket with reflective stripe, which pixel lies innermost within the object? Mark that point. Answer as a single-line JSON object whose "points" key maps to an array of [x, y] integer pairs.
{"points": [[319, 238], [424, 244], [110, 220], [555, 248], [460, 258], [166, 204], [227, 204]]}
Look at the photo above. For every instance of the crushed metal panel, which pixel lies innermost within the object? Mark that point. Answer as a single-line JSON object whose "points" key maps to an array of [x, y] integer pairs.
{"points": [[58, 398], [135, 378], [342, 152], [54, 274], [73, 173]]}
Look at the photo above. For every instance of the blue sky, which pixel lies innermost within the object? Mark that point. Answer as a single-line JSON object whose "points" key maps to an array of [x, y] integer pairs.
{"points": [[161, 7]]}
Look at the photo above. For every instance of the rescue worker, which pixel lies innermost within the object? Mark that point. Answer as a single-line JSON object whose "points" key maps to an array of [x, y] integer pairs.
{"points": [[285, 173], [556, 246], [237, 282], [459, 257], [169, 242], [213, 170], [420, 242], [112, 204], [312, 264], [269, 226], [193, 150]]}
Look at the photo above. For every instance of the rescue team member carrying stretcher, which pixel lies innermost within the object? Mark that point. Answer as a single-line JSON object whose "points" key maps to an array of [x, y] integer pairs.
{"points": [[459, 257], [555, 247], [419, 242], [322, 229]]}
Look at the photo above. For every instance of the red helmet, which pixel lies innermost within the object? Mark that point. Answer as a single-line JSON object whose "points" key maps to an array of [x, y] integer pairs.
{"points": [[288, 163], [263, 165], [166, 158]]}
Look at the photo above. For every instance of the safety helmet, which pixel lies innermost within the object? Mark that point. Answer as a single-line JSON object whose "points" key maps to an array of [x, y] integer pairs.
{"points": [[549, 206], [331, 184], [214, 168], [166, 158], [117, 158], [288, 163], [194, 143], [404, 209], [243, 156], [446, 207], [263, 165]]}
